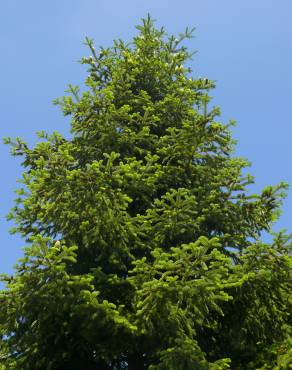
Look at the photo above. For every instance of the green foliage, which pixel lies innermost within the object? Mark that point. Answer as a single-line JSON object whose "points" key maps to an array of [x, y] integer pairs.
{"points": [[144, 244]]}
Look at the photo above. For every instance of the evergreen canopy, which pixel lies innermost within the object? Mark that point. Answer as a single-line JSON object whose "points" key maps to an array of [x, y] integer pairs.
{"points": [[144, 244]]}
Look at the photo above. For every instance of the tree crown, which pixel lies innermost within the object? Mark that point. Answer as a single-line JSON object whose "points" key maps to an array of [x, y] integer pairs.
{"points": [[159, 263]]}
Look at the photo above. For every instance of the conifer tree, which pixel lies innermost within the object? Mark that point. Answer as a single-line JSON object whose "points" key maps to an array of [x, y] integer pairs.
{"points": [[144, 243]]}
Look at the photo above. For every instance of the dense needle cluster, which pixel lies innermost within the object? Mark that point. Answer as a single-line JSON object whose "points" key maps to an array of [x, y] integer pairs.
{"points": [[144, 247]]}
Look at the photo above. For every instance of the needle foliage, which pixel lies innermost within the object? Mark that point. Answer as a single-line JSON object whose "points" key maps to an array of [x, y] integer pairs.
{"points": [[144, 244]]}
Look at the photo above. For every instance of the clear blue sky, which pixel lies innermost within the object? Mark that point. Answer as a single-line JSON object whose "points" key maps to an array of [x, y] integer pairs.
{"points": [[244, 45]]}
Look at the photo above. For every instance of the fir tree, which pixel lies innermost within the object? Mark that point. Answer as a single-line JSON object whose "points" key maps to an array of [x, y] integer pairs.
{"points": [[144, 243]]}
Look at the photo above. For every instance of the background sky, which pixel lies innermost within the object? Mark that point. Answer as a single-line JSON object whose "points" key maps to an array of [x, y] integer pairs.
{"points": [[245, 45]]}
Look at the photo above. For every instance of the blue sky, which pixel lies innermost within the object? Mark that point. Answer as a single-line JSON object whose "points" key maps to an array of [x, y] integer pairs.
{"points": [[244, 45]]}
